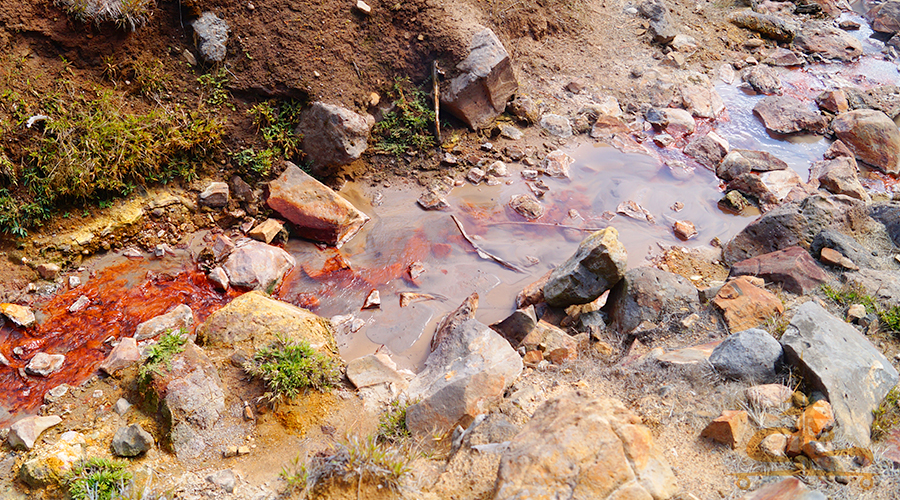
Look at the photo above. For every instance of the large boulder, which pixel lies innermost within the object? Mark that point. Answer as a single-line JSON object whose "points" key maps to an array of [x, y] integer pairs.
{"points": [[211, 37], [828, 42], [256, 318], [834, 358], [257, 266], [769, 25], [574, 447], [648, 294], [317, 212], [467, 373], [598, 264], [486, 81], [792, 267], [787, 115], [885, 17], [751, 355], [872, 136], [333, 136]]}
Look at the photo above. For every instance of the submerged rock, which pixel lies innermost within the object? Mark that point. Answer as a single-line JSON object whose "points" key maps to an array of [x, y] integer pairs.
{"points": [[787, 115], [597, 265], [333, 136]]}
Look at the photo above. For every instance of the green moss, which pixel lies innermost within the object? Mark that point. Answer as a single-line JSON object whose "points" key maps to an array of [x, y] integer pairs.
{"points": [[408, 125]]}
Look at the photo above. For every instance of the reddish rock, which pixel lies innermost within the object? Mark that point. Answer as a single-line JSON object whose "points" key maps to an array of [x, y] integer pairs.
{"points": [[792, 267], [839, 176], [787, 115], [533, 357], [767, 395], [816, 419], [728, 429], [266, 231], [556, 344], [872, 136], [834, 101], [746, 306], [685, 229], [892, 447], [786, 489], [708, 150], [832, 257], [837, 150], [123, 355]]}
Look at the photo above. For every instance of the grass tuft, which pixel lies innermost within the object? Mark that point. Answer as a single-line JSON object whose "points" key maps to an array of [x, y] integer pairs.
{"points": [[408, 126], [291, 368], [356, 459], [131, 14], [160, 354], [392, 423], [97, 479], [848, 294], [887, 415]]}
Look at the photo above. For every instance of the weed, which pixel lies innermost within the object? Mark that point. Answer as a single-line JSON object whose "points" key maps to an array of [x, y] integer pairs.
{"points": [[295, 476], [276, 122], [392, 423], [160, 354], [151, 78], [887, 415], [216, 87], [408, 126], [259, 163], [97, 479], [848, 294], [357, 459], [289, 368], [131, 14]]}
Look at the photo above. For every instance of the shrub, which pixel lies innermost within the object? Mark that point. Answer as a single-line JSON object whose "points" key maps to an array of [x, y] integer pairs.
{"points": [[289, 368], [408, 125], [97, 479]]}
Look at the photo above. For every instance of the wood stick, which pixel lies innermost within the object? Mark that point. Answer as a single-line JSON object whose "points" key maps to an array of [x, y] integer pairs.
{"points": [[545, 224], [437, 102], [483, 253]]}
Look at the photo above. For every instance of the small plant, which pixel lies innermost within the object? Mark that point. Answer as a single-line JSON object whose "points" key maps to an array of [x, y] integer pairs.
{"points": [[160, 354], [295, 476], [357, 459], [289, 368], [887, 416], [259, 163], [97, 479], [392, 423], [276, 122], [151, 78], [408, 126], [216, 85], [847, 295]]}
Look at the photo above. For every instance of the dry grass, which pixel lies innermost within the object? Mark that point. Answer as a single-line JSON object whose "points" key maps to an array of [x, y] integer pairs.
{"points": [[130, 14]]}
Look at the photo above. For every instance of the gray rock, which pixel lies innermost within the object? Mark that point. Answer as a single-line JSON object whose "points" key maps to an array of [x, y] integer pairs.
{"points": [[648, 294], [486, 81], [872, 136], [257, 266], [517, 325], [43, 364], [834, 358], [888, 214], [597, 265], [24, 432], [884, 285], [211, 37], [660, 22], [374, 369], [708, 150], [742, 161], [180, 317], [846, 245], [763, 80], [468, 372], [131, 441], [223, 479], [556, 125], [752, 355], [332, 135], [215, 195], [768, 25], [787, 115], [122, 406], [827, 42]]}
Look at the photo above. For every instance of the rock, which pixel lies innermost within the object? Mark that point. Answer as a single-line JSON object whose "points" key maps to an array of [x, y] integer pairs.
{"points": [[828, 42], [885, 18], [702, 100], [79, 304], [770, 188], [180, 316], [20, 315], [215, 195], [751, 355], [872, 136], [373, 300], [834, 101], [317, 212], [728, 429], [50, 464], [787, 115], [43, 364], [256, 266], [888, 214], [598, 264], [364, 8], [768, 396], [555, 344], [884, 98], [486, 81], [225, 478], [255, 318], [694, 355], [648, 294], [211, 37], [763, 80], [631, 208], [267, 230], [219, 278], [131, 441], [432, 200], [24, 432], [839, 176], [517, 325], [556, 125], [332, 136], [816, 419], [792, 267], [783, 57], [475, 175], [768, 25], [675, 121], [468, 372], [684, 229], [527, 206], [123, 355], [660, 22], [574, 447], [524, 108], [122, 406], [742, 161], [745, 305], [786, 489], [374, 369], [48, 271], [464, 312], [606, 127], [856, 312], [834, 358], [708, 150]]}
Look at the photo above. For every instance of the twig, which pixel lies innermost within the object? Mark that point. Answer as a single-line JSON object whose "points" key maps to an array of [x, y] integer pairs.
{"points": [[481, 252], [356, 68], [437, 101], [545, 224]]}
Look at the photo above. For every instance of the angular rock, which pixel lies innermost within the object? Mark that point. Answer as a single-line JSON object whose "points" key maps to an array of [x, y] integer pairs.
{"points": [[219, 278], [215, 195], [839, 176], [783, 57], [461, 314], [743, 161], [24, 432], [468, 372], [816, 419], [828, 42], [786, 489], [180, 316], [751, 355], [763, 80], [708, 150], [660, 22], [131, 441], [374, 369], [694, 355], [770, 188], [598, 264], [835, 359], [266, 231], [834, 101], [684, 229], [768, 25], [745, 305], [317, 212], [631, 208], [675, 121], [556, 125], [211, 37], [432, 200], [555, 344], [647, 294], [792, 267], [332, 136], [50, 464], [517, 325], [702, 100], [787, 115], [43, 364], [768, 395], [527, 206], [486, 81], [845, 246], [257, 266], [123, 355], [607, 127], [884, 98], [872, 136], [225, 478], [885, 17], [20, 315], [574, 447], [728, 429], [48, 271]]}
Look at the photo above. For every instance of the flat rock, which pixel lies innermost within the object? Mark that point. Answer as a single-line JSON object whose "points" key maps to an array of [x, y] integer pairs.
{"points": [[215, 195], [793, 268], [574, 447], [181, 316], [708, 150], [556, 164], [556, 125], [598, 264], [332, 135], [872, 136], [702, 101], [834, 358], [768, 25], [783, 57], [123, 355], [786, 489], [256, 266], [787, 115], [828, 42], [770, 188], [647, 294], [131, 441], [768, 396], [317, 212], [751, 355], [267, 230], [24, 432], [527, 206], [745, 305], [694, 355], [20, 315], [43, 364], [763, 79], [743, 161], [375, 369]]}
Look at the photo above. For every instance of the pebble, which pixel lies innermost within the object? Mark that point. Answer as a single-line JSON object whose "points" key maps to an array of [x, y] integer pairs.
{"points": [[363, 7], [475, 176], [79, 304], [74, 281]]}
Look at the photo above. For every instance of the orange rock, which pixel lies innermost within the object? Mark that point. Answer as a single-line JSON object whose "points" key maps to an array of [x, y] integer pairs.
{"points": [[816, 419], [745, 305], [533, 357], [729, 428]]}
